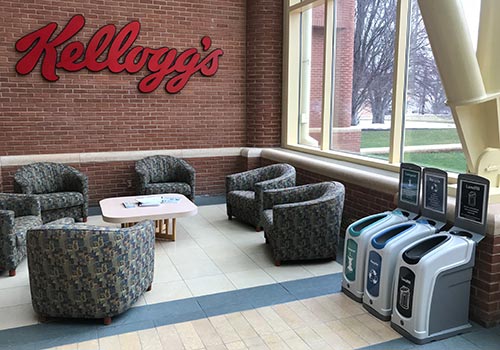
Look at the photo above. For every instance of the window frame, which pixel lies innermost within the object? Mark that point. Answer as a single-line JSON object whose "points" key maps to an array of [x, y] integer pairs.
{"points": [[290, 120]]}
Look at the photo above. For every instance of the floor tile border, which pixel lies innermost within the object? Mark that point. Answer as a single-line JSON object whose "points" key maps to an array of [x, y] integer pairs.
{"points": [[62, 332]]}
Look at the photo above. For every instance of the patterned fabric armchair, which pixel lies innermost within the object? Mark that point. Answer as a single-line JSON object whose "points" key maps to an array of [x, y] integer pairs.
{"points": [[18, 213], [303, 222], [244, 190], [85, 271], [61, 189], [165, 174]]}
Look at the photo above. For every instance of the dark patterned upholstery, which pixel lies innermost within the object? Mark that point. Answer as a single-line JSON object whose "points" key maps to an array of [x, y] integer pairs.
{"points": [[165, 174], [244, 190], [18, 213], [85, 271], [303, 222], [61, 189]]}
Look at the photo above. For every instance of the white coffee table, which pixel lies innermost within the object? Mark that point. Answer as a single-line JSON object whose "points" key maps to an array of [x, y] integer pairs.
{"points": [[113, 211]]}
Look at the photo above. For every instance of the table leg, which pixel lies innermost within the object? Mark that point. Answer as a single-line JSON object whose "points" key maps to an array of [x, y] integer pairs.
{"points": [[162, 229], [173, 229]]}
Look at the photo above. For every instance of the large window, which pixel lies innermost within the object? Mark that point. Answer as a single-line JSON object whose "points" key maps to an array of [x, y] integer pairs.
{"points": [[362, 84], [430, 135]]}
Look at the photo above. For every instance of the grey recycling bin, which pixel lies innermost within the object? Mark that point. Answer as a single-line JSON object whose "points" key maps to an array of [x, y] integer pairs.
{"points": [[432, 288], [382, 256], [431, 294], [357, 238]]}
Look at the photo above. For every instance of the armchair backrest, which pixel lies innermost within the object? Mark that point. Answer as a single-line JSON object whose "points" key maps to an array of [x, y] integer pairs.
{"points": [[162, 168], [275, 171], [99, 260], [42, 177]]}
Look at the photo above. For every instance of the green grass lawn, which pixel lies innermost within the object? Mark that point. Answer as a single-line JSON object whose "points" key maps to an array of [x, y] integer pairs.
{"points": [[452, 161], [413, 137]]}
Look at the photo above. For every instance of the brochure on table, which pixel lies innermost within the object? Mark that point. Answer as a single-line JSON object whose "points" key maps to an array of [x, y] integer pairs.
{"points": [[151, 202]]}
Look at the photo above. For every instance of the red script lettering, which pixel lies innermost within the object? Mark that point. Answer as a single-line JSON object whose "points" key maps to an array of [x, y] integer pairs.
{"points": [[112, 50]]}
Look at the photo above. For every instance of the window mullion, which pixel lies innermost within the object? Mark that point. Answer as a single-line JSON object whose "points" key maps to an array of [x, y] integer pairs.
{"points": [[328, 74], [399, 82]]}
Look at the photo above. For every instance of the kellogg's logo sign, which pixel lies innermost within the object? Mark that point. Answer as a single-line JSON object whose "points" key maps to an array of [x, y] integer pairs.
{"points": [[112, 50]]}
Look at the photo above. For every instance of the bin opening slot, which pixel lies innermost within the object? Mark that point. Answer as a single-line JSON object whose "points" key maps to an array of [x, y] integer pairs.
{"points": [[462, 234], [413, 255], [365, 223], [381, 240]]}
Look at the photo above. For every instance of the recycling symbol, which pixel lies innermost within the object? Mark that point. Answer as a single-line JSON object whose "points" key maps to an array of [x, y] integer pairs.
{"points": [[373, 276]]}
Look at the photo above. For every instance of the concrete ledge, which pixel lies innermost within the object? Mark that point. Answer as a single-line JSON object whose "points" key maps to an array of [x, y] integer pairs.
{"points": [[102, 157], [381, 180]]}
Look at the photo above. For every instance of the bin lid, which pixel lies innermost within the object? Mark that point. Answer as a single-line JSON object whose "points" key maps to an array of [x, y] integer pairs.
{"points": [[417, 251], [369, 222], [380, 240], [471, 208], [409, 188]]}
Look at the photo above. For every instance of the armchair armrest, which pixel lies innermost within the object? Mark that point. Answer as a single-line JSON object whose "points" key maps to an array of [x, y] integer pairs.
{"points": [[7, 236], [285, 195], [284, 181], [244, 181], [22, 184], [143, 176], [20, 204], [187, 174], [76, 181]]}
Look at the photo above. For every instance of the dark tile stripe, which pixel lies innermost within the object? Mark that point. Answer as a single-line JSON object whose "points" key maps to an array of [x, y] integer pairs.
{"points": [[61, 332]]}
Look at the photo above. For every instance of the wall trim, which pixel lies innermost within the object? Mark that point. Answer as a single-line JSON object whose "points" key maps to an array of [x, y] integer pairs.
{"points": [[102, 157]]}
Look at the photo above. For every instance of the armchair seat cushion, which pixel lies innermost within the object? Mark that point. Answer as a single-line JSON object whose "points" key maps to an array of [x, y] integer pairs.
{"points": [[169, 187], [50, 201], [22, 224]]}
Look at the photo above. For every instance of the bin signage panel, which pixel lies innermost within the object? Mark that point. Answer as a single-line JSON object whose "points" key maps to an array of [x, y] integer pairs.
{"points": [[373, 274], [435, 187], [406, 286], [410, 186], [350, 260], [473, 201]]}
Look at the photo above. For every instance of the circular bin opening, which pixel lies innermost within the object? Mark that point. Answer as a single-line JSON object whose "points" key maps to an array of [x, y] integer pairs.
{"points": [[463, 234]]}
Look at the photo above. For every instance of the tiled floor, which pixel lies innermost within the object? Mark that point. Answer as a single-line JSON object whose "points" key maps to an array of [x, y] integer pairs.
{"points": [[256, 305]]}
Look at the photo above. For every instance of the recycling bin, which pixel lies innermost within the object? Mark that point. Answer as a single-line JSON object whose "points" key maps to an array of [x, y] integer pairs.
{"points": [[431, 294], [382, 256], [357, 239]]}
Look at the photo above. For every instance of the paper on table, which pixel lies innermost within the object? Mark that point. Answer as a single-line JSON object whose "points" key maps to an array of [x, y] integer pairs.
{"points": [[170, 199], [129, 205], [149, 202]]}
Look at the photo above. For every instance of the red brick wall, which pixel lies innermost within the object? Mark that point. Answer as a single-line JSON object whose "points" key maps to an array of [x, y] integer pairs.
{"points": [[264, 66], [119, 178], [102, 111], [485, 294]]}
